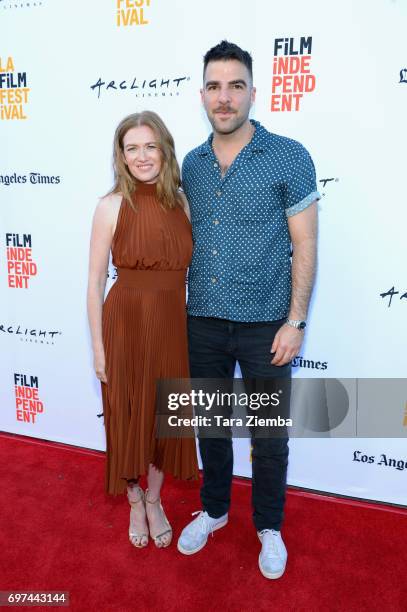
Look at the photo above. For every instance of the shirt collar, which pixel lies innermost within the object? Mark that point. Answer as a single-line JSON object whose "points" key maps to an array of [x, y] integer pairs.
{"points": [[259, 141]]}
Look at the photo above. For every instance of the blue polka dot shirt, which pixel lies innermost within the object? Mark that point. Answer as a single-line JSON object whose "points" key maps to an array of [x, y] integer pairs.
{"points": [[241, 266]]}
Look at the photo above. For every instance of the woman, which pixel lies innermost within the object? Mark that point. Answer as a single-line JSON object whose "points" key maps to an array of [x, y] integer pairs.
{"points": [[139, 333]]}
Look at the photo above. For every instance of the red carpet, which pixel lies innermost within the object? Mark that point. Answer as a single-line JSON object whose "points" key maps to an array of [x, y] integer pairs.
{"points": [[60, 532]]}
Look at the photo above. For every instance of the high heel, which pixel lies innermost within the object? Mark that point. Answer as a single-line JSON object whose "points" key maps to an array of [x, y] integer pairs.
{"points": [[139, 540], [158, 538]]}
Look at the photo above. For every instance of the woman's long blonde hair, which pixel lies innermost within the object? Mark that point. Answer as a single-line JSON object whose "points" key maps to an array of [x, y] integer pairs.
{"points": [[169, 178]]}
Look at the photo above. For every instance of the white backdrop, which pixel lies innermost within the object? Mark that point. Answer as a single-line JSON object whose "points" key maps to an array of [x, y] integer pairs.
{"points": [[56, 136]]}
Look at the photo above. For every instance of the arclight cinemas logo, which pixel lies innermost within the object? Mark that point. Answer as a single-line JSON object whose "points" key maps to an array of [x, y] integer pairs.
{"points": [[28, 403], [7, 5], [20, 265], [292, 76], [161, 86], [37, 335]]}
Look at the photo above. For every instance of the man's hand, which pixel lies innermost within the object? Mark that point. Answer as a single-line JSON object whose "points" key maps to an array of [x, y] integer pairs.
{"points": [[286, 345]]}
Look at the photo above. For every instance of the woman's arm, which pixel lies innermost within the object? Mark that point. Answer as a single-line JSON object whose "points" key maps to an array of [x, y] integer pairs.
{"points": [[104, 222], [185, 204]]}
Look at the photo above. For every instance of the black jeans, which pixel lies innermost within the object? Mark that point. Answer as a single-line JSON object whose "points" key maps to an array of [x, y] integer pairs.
{"points": [[214, 347]]}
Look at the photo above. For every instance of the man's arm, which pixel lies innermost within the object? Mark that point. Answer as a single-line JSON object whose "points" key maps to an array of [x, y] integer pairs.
{"points": [[303, 229]]}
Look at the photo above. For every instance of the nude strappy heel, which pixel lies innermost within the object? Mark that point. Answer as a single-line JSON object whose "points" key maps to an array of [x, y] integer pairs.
{"points": [[139, 540], [158, 537]]}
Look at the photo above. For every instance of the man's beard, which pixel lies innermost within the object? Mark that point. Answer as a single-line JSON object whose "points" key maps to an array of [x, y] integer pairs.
{"points": [[237, 122]]}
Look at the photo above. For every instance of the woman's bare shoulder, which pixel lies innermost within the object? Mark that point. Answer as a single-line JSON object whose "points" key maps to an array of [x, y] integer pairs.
{"points": [[111, 201], [109, 205]]}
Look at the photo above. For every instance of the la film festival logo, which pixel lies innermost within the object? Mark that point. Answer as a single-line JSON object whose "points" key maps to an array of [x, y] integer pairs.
{"points": [[292, 77], [20, 265], [28, 403], [13, 91], [132, 12]]}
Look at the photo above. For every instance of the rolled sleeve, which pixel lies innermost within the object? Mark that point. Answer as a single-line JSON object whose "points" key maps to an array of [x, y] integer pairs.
{"points": [[301, 187]]}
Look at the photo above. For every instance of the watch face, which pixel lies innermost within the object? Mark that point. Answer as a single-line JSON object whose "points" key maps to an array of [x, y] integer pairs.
{"points": [[302, 325]]}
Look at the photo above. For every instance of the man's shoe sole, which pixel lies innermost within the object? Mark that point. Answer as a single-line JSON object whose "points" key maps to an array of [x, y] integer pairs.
{"points": [[184, 551], [271, 575]]}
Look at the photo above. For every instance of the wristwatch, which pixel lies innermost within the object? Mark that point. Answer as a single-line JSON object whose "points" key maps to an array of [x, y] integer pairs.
{"points": [[296, 324]]}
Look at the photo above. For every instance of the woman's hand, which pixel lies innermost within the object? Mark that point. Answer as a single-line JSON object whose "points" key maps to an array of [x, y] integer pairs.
{"points": [[100, 366]]}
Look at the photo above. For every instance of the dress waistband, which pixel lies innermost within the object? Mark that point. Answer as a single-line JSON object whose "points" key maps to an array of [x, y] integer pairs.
{"points": [[151, 279]]}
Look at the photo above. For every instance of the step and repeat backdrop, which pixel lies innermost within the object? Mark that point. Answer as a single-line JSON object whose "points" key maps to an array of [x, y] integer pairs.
{"points": [[331, 75]]}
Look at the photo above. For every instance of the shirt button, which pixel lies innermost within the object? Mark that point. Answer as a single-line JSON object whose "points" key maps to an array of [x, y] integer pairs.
{"points": [[214, 280], [218, 193], [216, 222], [215, 165], [215, 252]]}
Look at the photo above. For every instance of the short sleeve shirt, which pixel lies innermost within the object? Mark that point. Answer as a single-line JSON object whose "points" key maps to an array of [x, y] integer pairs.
{"points": [[241, 264]]}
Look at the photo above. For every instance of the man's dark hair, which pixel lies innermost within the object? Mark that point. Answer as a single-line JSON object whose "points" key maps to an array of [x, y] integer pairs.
{"points": [[228, 51]]}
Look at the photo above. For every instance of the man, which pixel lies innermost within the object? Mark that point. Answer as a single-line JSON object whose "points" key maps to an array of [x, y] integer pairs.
{"points": [[252, 196]]}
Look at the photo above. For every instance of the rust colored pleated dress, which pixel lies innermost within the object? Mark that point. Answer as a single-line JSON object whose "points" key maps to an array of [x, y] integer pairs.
{"points": [[145, 338]]}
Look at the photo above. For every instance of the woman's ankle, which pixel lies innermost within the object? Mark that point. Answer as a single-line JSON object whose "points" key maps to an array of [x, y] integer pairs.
{"points": [[132, 483]]}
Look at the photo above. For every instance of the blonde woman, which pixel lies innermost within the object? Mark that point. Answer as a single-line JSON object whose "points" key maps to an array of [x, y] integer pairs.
{"points": [[139, 334]]}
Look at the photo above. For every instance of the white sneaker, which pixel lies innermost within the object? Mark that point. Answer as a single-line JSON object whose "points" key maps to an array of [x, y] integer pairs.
{"points": [[273, 555], [195, 535]]}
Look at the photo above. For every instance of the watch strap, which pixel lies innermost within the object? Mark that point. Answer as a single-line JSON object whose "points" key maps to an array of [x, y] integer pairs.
{"points": [[296, 323]]}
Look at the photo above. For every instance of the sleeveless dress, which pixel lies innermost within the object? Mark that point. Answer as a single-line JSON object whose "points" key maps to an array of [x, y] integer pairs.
{"points": [[145, 338]]}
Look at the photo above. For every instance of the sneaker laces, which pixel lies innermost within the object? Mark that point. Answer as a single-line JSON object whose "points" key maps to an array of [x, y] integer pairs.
{"points": [[270, 547], [201, 523]]}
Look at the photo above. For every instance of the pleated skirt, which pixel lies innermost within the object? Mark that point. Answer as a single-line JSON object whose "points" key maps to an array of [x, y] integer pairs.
{"points": [[145, 339]]}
